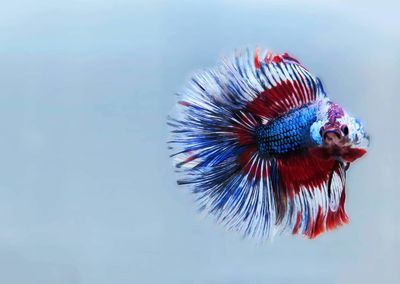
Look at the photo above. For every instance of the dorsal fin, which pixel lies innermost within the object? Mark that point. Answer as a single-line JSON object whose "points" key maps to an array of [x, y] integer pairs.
{"points": [[287, 85]]}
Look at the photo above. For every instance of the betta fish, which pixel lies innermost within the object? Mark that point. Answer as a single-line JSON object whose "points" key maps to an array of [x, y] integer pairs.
{"points": [[263, 148]]}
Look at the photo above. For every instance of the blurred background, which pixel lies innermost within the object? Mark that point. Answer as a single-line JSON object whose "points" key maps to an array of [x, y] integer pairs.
{"points": [[87, 190]]}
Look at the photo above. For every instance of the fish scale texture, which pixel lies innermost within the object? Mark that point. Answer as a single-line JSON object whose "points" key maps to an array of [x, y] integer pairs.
{"points": [[286, 133]]}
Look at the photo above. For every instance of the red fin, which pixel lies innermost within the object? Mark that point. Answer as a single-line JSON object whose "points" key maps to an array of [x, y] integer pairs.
{"points": [[348, 154], [352, 154], [302, 170]]}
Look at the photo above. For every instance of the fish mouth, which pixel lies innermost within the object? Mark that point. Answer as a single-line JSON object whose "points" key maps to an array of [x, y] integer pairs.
{"points": [[333, 138]]}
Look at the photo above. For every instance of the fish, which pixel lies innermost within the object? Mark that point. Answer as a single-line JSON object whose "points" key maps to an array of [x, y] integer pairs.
{"points": [[263, 148]]}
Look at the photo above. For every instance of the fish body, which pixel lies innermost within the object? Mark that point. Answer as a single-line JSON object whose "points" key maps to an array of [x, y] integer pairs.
{"points": [[286, 133], [263, 147]]}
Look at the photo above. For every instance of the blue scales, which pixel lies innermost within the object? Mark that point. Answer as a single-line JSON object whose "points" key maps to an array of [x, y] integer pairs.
{"points": [[286, 133]]}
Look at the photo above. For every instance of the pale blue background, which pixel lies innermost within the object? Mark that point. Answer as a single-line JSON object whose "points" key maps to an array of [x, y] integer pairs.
{"points": [[87, 191]]}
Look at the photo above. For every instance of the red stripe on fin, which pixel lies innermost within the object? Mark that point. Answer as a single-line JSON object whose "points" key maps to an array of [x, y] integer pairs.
{"points": [[268, 57], [297, 224], [285, 55], [319, 225], [275, 58], [187, 160], [184, 103], [257, 58], [339, 217]]}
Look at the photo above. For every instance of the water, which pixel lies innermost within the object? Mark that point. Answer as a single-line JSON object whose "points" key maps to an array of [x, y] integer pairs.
{"points": [[87, 191]]}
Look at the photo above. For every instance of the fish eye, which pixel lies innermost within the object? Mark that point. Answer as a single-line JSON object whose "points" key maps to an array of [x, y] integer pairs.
{"points": [[345, 130]]}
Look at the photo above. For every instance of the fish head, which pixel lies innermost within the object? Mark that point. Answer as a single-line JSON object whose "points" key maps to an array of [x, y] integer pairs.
{"points": [[337, 134]]}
